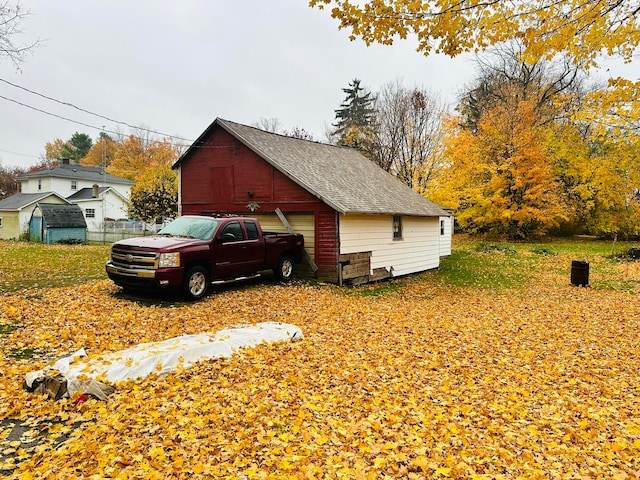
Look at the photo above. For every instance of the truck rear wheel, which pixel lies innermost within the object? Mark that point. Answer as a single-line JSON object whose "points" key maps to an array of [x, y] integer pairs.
{"points": [[196, 283], [285, 268]]}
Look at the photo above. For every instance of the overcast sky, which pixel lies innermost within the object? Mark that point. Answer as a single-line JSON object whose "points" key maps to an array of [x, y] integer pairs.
{"points": [[174, 67]]}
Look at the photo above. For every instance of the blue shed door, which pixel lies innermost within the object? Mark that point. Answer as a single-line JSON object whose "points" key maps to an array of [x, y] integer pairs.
{"points": [[35, 229]]}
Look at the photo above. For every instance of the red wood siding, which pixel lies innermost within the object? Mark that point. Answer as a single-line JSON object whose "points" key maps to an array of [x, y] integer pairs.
{"points": [[326, 247], [224, 176]]}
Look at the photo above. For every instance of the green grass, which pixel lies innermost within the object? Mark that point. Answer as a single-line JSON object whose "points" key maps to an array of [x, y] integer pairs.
{"points": [[521, 266], [474, 263], [518, 265], [24, 353], [32, 265], [484, 270], [8, 328]]}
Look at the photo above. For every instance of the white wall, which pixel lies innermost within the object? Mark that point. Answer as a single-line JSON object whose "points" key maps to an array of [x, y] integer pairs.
{"points": [[445, 238], [418, 250], [62, 186], [31, 185], [113, 206]]}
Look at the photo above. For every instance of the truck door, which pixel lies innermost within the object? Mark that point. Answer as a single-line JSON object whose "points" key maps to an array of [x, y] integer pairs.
{"points": [[229, 250]]}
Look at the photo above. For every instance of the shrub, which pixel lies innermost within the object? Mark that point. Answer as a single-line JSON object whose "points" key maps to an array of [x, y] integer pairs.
{"points": [[70, 241], [484, 248], [542, 251], [631, 254]]}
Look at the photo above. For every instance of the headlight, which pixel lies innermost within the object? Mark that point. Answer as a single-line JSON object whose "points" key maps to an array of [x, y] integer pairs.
{"points": [[169, 260]]}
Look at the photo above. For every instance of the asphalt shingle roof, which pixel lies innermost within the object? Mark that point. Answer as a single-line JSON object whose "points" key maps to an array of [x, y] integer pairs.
{"points": [[339, 176], [62, 216], [79, 172], [85, 194], [18, 201]]}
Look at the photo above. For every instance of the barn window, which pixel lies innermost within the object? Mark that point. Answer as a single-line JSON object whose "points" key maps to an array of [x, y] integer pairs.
{"points": [[397, 227], [74, 185], [441, 227], [39, 184], [91, 213]]}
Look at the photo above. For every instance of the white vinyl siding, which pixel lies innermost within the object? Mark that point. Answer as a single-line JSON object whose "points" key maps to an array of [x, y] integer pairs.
{"points": [[301, 223], [446, 234], [63, 186], [419, 249]]}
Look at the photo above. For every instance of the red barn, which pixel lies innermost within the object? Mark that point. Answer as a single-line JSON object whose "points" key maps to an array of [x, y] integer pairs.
{"points": [[359, 222]]}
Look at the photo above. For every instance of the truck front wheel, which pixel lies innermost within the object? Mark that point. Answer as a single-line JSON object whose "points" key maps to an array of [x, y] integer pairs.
{"points": [[285, 268], [196, 283]]}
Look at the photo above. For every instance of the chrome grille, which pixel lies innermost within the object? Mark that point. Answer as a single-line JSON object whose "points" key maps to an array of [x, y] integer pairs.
{"points": [[134, 260]]}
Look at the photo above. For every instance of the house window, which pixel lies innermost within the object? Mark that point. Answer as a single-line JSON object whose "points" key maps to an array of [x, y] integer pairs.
{"points": [[0, 222], [39, 184], [74, 185], [91, 213], [441, 227], [397, 227]]}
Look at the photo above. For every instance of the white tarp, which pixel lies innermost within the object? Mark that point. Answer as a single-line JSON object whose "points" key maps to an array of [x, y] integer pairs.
{"points": [[160, 358]]}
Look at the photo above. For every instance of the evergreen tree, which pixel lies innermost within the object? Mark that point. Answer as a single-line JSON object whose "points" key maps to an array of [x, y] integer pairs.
{"points": [[353, 118], [78, 146], [74, 149]]}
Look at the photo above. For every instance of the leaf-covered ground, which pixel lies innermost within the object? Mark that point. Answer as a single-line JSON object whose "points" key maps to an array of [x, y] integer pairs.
{"points": [[33, 265], [416, 378]]}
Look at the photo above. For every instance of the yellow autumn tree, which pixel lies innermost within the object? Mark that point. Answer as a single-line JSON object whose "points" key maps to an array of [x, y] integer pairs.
{"points": [[101, 153], [130, 159], [55, 150], [617, 199], [134, 157], [576, 28], [599, 179], [582, 31], [499, 178], [155, 195]]}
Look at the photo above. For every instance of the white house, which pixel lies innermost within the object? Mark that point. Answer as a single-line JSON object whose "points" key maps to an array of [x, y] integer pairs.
{"points": [[100, 195]]}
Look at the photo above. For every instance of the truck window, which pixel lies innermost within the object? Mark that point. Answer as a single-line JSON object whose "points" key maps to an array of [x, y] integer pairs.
{"points": [[231, 229], [202, 228], [252, 230]]}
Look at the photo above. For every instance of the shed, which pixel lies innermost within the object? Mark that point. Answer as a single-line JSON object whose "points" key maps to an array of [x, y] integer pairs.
{"points": [[16, 210], [359, 222], [51, 223]]}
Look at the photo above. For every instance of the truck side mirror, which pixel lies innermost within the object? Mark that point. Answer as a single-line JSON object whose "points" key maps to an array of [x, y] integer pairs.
{"points": [[226, 237]]}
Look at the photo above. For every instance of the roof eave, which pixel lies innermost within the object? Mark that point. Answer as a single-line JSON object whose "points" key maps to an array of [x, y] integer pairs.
{"points": [[405, 214], [193, 145]]}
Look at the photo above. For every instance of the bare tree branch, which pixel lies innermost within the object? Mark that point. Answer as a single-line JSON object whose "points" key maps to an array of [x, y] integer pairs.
{"points": [[11, 16]]}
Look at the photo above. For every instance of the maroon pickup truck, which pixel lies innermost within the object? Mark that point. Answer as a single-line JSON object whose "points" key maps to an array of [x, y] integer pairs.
{"points": [[193, 251]]}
